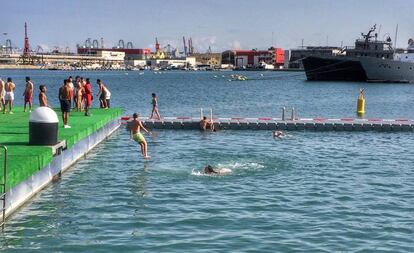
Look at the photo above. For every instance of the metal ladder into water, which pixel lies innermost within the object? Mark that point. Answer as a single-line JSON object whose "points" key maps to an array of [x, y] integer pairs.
{"points": [[3, 189]]}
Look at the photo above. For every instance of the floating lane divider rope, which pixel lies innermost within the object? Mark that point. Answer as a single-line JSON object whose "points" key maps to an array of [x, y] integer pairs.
{"points": [[268, 123]]}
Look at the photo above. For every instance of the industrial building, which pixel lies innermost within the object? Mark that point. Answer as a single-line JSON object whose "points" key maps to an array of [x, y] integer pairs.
{"points": [[211, 59], [253, 58], [130, 53]]}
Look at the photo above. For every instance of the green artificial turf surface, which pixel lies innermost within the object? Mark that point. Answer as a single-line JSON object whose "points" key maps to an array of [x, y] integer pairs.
{"points": [[25, 160]]}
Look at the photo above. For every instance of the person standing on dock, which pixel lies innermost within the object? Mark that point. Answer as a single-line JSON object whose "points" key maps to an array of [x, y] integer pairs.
{"points": [[9, 88], [64, 97], [79, 94], [42, 96], [88, 97], [2, 93], [155, 111], [102, 94], [136, 135], [72, 91], [28, 94]]}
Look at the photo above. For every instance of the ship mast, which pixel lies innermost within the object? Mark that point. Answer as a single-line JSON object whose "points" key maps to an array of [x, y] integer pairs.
{"points": [[395, 38]]}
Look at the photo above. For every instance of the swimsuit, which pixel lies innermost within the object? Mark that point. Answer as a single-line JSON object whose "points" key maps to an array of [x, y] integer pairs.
{"points": [[9, 95], [27, 98], [88, 95], [65, 105], [138, 137]]}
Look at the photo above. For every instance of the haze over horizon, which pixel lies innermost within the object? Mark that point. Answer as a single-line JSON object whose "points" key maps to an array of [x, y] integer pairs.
{"points": [[220, 24]]}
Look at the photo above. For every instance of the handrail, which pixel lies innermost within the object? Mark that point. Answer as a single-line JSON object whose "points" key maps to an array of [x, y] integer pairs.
{"points": [[3, 194]]}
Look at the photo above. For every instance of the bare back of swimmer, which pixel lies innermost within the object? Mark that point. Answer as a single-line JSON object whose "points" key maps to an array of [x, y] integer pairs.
{"points": [[136, 135]]}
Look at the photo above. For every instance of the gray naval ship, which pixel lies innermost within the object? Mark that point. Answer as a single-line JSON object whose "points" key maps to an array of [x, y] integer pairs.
{"points": [[400, 69], [371, 60]]}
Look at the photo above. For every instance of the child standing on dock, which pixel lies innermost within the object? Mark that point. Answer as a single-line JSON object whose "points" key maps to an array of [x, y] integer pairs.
{"points": [[136, 135], [28, 94], [154, 103], [42, 96], [9, 88]]}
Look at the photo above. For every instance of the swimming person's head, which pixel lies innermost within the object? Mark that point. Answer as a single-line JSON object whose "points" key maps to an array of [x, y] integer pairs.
{"points": [[135, 115], [208, 169]]}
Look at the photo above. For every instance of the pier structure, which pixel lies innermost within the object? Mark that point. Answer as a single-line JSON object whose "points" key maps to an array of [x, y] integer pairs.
{"points": [[295, 124], [29, 168]]}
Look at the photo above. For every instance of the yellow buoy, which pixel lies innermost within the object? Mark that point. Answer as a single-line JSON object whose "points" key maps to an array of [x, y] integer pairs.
{"points": [[361, 102]]}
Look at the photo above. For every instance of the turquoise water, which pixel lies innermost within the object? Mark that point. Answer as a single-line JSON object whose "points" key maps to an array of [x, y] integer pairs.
{"points": [[308, 192]]}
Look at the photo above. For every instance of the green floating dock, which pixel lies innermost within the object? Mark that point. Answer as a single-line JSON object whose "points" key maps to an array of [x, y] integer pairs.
{"points": [[24, 160]]}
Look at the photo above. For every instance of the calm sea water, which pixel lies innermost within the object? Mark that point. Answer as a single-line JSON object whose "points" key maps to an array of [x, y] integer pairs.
{"points": [[309, 192]]}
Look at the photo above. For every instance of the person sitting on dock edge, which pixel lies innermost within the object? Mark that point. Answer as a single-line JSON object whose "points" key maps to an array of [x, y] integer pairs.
{"points": [[136, 135]]}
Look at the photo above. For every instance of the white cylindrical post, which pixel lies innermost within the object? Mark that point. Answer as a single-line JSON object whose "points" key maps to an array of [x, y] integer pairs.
{"points": [[211, 113], [283, 112], [293, 114], [201, 113]]}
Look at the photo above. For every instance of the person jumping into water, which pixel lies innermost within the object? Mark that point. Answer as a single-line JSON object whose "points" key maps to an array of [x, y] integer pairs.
{"points": [[136, 135], [155, 111]]}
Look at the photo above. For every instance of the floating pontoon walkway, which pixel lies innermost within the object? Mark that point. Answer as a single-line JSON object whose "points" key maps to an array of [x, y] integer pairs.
{"points": [[315, 124]]}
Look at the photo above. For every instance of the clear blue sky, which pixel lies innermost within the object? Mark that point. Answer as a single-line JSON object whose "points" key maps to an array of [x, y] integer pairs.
{"points": [[223, 24]]}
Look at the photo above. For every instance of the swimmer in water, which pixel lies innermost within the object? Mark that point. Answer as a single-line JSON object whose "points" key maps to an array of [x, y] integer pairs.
{"points": [[277, 134], [209, 170], [219, 171]]}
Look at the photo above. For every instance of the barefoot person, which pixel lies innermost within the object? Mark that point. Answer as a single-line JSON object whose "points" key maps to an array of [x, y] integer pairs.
{"points": [[28, 94], [64, 97], [79, 93], [42, 96], [155, 107], [102, 94], [2, 93], [136, 135], [9, 88], [87, 95]]}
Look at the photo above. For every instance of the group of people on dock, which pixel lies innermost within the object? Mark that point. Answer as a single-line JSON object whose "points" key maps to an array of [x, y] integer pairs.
{"points": [[72, 96]]}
